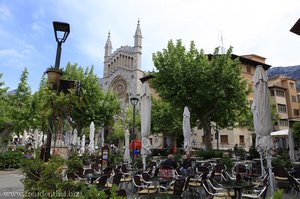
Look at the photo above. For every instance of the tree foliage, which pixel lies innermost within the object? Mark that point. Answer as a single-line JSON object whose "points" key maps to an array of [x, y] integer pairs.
{"points": [[210, 85], [296, 132], [163, 113], [4, 106], [20, 104], [93, 104]]}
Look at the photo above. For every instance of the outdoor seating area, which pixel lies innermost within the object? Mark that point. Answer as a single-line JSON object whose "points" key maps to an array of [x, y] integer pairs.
{"points": [[205, 179]]}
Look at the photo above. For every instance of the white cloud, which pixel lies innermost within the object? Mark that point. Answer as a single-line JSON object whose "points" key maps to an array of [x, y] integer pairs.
{"points": [[5, 13]]}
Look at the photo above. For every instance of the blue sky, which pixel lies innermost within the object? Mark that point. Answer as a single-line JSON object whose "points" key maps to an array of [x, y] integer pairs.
{"points": [[250, 26]]}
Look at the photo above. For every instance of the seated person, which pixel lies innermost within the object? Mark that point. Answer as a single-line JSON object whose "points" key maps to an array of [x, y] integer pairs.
{"points": [[170, 162], [186, 165]]}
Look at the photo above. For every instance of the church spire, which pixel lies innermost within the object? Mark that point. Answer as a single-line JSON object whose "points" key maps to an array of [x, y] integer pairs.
{"points": [[138, 46], [138, 36], [108, 48], [107, 54]]}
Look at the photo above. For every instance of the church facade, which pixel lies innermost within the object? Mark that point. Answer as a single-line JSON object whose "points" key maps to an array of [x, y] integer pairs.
{"points": [[122, 68]]}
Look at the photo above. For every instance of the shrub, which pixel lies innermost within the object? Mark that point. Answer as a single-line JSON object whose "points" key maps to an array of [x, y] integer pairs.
{"points": [[227, 162], [282, 159], [209, 154], [115, 158], [44, 179], [10, 159], [74, 163]]}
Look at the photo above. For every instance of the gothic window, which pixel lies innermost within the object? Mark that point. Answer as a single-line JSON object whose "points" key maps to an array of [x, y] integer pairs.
{"points": [[120, 87]]}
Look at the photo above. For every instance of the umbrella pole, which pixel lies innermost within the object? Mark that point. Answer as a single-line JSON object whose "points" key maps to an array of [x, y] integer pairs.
{"points": [[269, 159], [263, 172], [144, 163]]}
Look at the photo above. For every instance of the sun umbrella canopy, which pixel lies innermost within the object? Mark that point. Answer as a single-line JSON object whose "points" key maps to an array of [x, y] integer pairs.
{"points": [[127, 150], [291, 145], [82, 149], [186, 128], [146, 119], [262, 110], [75, 138], [262, 118], [92, 136]]}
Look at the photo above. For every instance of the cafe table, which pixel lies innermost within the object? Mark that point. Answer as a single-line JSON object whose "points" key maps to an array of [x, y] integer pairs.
{"points": [[160, 196], [237, 187]]}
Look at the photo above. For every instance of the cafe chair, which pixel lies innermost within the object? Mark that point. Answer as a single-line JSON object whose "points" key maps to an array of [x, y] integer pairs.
{"points": [[240, 169], [212, 193], [207, 165], [201, 169], [260, 184], [116, 180], [88, 171], [80, 174], [256, 195], [142, 189], [107, 171], [294, 184], [177, 185], [218, 168], [146, 178], [126, 177], [216, 187], [226, 176], [101, 182], [156, 172], [168, 172], [95, 167]]}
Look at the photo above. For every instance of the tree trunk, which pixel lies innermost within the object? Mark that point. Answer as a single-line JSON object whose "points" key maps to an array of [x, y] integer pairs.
{"points": [[207, 137]]}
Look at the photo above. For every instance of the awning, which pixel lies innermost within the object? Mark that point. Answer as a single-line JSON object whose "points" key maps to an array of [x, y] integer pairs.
{"points": [[283, 132]]}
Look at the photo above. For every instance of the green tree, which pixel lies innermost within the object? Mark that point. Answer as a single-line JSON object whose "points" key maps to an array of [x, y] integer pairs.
{"points": [[93, 104], [4, 109], [210, 85], [5, 116], [296, 132], [163, 113], [20, 102]]}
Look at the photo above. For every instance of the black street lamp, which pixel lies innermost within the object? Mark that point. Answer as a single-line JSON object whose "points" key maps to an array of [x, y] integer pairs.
{"points": [[61, 32], [134, 101]]}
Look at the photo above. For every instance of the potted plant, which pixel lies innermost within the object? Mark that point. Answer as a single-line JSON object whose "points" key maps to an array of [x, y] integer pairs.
{"points": [[54, 74]]}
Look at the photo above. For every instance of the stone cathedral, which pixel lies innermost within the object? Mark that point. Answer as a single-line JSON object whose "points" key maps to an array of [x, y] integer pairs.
{"points": [[122, 68]]}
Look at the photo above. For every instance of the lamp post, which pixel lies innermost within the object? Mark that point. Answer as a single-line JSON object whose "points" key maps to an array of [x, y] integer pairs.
{"points": [[134, 102], [61, 32]]}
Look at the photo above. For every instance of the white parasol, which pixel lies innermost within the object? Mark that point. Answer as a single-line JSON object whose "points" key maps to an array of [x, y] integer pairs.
{"points": [[291, 146], [75, 138], [145, 122], [127, 150], [82, 148], [186, 127], [262, 117], [92, 136]]}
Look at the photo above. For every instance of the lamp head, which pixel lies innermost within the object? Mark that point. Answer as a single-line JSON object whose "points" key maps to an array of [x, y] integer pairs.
{"points": [[134, 101], [61, 31], [296, 28]]}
